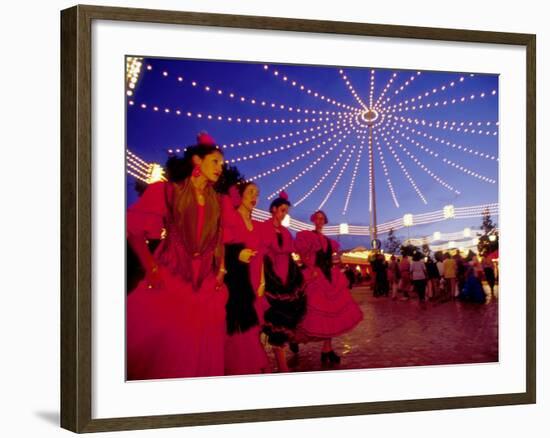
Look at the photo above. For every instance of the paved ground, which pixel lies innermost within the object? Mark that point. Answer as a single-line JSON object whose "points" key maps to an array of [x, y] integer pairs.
{"points": [[396, 333]]}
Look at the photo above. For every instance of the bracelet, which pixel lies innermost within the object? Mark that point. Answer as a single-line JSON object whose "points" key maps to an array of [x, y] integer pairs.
{"points": [[223, 270]]}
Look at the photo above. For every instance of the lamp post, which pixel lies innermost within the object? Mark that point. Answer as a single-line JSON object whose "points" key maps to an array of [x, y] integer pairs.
{"points": [[371, 117]]}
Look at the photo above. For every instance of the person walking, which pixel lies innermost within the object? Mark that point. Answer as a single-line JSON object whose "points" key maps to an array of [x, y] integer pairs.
{"points": [[405, 274], [433, 279], [419, 276], [449, 273], [393, 276], [489, 271]]}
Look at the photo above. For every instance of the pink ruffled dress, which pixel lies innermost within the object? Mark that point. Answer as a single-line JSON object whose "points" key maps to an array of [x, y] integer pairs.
{"points": [[284, 285], [177, 330], [331, 310]]}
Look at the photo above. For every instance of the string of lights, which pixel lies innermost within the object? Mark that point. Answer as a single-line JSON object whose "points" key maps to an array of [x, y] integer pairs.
{"points": [[233, 119], [305, 89], [436, 104], [284, 148], [479, 128], [268, 139], [450, 162], [311, 165], [137, 170], [216, 91], [352, 89], [402, 87], [308, 168], [371, 92], [431, 92], [404, 169], [337, 180], [386, 172], [354, 174], [138, 160], [463, 148], [424, 167], [325, 176], [385, 90], [275, 169], [133, 70]]}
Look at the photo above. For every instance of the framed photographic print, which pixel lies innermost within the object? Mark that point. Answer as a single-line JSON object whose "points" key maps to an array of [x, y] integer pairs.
{"points": [[268, 218]]}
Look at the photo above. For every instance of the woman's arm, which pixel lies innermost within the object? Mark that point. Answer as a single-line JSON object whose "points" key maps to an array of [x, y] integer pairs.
{"points": [[145, 219], [139, 245]]}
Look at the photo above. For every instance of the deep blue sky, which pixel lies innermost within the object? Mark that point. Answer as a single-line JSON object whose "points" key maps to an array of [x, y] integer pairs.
{"points": [[151, 133]]}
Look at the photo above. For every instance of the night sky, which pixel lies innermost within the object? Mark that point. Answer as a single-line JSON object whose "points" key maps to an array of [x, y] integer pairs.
{"points": [[332, 150]]}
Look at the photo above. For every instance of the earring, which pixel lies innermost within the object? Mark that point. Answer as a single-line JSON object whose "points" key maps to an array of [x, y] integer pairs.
{"points": [[196, 171]]}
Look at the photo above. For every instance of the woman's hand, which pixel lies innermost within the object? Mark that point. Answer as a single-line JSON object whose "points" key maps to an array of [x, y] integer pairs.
{"points": [[219, 278], [153, 277], [246, 255]]}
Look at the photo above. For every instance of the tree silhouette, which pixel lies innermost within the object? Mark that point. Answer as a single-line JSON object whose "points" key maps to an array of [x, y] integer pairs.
{"points": [[392, 243], [485, 244]]}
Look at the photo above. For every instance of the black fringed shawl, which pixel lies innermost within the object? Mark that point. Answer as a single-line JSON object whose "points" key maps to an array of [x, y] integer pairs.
{"points": [[323, 260], [241, 314]]}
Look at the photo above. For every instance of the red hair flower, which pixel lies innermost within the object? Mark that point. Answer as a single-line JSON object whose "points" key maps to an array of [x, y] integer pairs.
{"points": [[205, 139]]}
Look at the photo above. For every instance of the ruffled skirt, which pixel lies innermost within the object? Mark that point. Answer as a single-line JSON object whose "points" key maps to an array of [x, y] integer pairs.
{"points": [[331, 310], [175, 331]]}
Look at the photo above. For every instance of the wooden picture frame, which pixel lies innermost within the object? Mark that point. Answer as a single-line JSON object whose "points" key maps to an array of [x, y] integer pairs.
{"points": [[76, 217]]}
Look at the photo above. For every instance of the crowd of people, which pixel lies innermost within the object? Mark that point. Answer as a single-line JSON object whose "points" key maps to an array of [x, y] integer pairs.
{"points": [[220, 286], [447, 277]]}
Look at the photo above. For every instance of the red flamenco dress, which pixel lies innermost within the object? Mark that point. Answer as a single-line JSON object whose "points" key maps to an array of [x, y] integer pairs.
{"points": [[331, 310], [284, 285], [177, 330], [244, 353]]}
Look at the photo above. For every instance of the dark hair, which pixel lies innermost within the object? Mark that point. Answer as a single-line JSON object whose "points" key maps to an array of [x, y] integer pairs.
{"points": [[321, 212], [177, 169], [241, 186], [276, 203]]}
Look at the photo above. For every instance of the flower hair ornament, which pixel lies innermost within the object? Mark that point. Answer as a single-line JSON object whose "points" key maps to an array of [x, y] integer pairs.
{"points": [[203, 138], [283, 195]]}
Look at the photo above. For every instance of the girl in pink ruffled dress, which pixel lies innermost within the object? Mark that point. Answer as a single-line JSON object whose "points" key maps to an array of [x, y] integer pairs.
{"points": [[244, 353], [284, 282], [331, 310], [175, 318]]}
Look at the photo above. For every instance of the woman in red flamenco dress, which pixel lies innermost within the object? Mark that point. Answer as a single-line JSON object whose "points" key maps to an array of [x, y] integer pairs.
{"points": [[331, 310], [175, 318], [244, 353]]}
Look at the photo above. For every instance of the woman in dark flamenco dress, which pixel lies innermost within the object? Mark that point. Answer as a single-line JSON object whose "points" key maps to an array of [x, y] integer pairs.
{"points": [[473, 289], [175, 318], [331, 310], [244, 352], [284, 283]]}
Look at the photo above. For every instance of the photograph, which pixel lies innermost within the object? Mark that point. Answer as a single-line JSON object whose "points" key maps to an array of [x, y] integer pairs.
{"points": [[294, 218]]}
